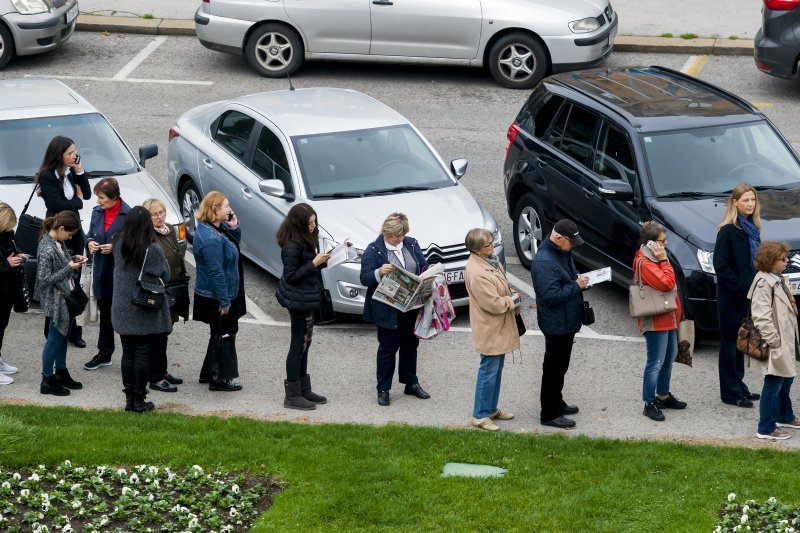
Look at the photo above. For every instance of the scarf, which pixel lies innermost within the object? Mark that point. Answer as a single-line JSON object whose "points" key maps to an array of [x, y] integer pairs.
{"points": [[492, 260], [753, 234], [398, 252], [163, 230]]}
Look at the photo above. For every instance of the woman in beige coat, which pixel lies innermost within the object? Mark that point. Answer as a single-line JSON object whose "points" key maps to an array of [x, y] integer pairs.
{"points": [[775, 315], [492, 306]]}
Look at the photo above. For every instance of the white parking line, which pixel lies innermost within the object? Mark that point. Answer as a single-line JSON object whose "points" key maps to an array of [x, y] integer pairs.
{"points": [[140, 57], [126, 80]]}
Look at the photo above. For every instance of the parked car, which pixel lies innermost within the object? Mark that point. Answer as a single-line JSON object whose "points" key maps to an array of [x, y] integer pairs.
{"points": [[777, 44], [30, 27], [352, 158], [520, 41], [32, 112], [612, 148]]}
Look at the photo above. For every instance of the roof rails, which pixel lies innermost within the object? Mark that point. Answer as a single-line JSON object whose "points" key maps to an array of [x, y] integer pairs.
{"points": [[632, 119], [747, 106]]}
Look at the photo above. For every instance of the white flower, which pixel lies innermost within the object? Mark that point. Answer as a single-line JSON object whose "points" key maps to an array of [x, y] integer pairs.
{"points": [[737, 528], [197, 469], [126, 490], [41, 467], [156, 484], [233, 511], [104, 520], [745, 509], [121, 472], [151, 498], [16, 476], [235, 488], [80, 470], [6, 485], [67, 528], [24, 493], [34, 477], [101, 470], [141, 468], [153, 470], [134, 478], [192, 523], [745, 518], [76, 504], [74, 487], [731, 496], [67, 463]]}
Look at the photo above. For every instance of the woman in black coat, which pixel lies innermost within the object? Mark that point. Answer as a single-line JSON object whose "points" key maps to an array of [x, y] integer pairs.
{"points": [[734, 255], [10, 278], [299, 291], [63, 185]]}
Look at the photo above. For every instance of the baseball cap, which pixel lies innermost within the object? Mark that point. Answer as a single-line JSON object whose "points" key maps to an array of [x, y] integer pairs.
{"points": [[568, 229]]}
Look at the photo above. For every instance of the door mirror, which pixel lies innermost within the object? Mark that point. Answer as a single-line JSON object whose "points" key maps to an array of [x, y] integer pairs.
{"points": [[615, 190], [274, 188], [459, 167], [148, 151]]}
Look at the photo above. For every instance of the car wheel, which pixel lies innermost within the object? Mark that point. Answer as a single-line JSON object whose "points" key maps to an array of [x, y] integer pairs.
{"points": [[528, 229], [6, 46], [274, 50], [518, 61], [190, 202]]}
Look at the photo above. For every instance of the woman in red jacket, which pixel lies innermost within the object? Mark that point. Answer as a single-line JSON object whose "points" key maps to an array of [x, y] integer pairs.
{"points": [[660, 331]]}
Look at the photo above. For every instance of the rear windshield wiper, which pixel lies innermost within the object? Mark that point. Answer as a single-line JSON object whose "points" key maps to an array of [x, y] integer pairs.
{"points": [[688, 194], [17, 177], [403, 188], [338, 195], [96, 173]]}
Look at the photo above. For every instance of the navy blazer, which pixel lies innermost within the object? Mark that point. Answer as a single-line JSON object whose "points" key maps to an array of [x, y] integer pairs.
{"points": [[103, 264], [735, 272], [375, 256], [559, 299]]}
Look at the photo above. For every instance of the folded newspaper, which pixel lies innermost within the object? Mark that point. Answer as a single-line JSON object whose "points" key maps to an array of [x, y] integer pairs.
{"points": [[404, 291]]}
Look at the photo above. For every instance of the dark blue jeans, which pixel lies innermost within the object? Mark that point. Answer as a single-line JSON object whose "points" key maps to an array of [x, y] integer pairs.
{"points": [[55, 350], [662, 347], [776, 406], [487, 387]]}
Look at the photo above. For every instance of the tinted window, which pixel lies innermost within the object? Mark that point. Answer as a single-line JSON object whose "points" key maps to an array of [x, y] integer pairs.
{"points": [[536, 117], [577, 138], [613, 157], [233, 132], [270, 161]]}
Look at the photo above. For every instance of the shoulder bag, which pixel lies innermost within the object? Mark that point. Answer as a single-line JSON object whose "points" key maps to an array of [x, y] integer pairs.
{"points": [[644, 300], [26, 236], [22, 296], [149, 292], [749, 340], [685, 342]]}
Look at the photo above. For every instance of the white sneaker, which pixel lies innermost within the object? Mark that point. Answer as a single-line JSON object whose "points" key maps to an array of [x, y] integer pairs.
{"points": [[778, 434], [5, 380], [5, 368]]}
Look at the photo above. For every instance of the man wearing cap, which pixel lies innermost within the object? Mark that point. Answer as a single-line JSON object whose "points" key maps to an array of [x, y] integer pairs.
{"points": [[559, 304]]}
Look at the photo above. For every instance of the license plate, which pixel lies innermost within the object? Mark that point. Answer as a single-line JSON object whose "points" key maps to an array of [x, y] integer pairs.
{"points": [[794, 286], [72, 13], [454, 276], [612, 36]]}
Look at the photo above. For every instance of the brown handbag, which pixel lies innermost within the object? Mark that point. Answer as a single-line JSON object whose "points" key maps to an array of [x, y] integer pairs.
{"points": [[644, 300], [749, 340]]}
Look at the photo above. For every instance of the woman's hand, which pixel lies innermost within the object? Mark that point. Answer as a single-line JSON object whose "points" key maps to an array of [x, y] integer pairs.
{"points": [[385, 269], [224, 310], [14, 261], [93, 246], [106, 249], [321, 258], [233, 223], [659, 251], [77, 262]]}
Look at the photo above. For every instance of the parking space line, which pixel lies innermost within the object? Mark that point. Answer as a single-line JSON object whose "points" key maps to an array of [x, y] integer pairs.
{"points": [[762, 104], [694, 65], [126, 80], [140, 57]]}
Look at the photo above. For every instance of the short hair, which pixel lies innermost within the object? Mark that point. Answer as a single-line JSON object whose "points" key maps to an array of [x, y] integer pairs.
{"points": [[769, 253], [396, 224], [478, 238], [109, 187], [150, 203], [8, 219], [651, 231], [211, 201]]}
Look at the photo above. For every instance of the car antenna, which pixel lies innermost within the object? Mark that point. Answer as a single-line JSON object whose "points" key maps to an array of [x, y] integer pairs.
{"points": [[291, 87]]}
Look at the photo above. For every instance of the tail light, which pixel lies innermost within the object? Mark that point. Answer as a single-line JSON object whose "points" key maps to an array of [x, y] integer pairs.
{"points": [[763, 66], [513, 130], [206, 1], [781, 5], [173, 132]]}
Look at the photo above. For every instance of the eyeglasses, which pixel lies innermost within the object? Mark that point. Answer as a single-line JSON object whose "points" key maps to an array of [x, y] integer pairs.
{"points": [[158, 214], [491, 244]]}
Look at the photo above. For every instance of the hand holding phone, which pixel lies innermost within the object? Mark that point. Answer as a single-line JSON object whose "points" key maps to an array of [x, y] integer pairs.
{"points": [[77, 159]]}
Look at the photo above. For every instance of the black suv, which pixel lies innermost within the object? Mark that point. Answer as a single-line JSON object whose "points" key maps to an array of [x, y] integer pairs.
{"points": [[612, 148], [777, 44]]}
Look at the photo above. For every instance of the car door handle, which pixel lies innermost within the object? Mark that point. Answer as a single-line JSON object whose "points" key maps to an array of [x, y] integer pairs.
{"points": [[542, 162], [246, 193], [207, 163], [382, 3]]}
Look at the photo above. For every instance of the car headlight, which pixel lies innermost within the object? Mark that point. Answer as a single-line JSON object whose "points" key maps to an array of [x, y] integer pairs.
{"points": [[706, 260], [30, 7], [584, 25]]}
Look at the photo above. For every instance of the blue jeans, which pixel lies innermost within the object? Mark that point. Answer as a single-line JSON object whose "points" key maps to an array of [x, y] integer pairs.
{"points": [[55, 350], [487, 387], [776, 406], [662, 347]]}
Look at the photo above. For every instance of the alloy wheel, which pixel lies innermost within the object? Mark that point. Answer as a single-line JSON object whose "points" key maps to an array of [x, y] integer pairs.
{"points": [[189, 206], [529, 232], [274, 51], [516, 62]]}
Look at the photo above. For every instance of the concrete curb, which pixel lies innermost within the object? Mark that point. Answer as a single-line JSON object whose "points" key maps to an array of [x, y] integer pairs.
{"points": [[624, 43]]}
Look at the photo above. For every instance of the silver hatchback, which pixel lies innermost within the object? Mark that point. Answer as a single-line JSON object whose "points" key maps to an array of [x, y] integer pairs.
{"points": [[34, 26], [352, 158], [521, 41]]}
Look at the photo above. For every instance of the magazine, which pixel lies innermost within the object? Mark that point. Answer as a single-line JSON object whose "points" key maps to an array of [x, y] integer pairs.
{"points": [[405, 291], [342, 253], [598, 276]]}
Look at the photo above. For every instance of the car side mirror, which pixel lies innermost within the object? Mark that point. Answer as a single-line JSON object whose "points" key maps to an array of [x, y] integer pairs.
{"points": [[615, 190], [148, 151], [275, 188], [459, 167]]}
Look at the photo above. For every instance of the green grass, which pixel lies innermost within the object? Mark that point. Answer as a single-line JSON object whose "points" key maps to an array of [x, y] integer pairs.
{"points": [[666, 35], [359, 478], [733, 37], [688, 36], [147, 16]]}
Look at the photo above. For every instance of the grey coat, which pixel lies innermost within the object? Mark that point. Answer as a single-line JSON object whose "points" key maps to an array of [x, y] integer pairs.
{"points": [[129, 319], [52, 281]]}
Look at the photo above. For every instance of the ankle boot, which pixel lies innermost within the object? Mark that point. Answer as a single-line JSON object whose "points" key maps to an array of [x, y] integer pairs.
{"points": [[294, 398], [308, 394], [140, 405], [128, 390], [63, 376], [51, 385]]}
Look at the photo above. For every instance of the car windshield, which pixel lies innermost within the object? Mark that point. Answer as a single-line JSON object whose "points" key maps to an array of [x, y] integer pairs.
{"points": [[368, 162], [24, 142], [714, 160]]}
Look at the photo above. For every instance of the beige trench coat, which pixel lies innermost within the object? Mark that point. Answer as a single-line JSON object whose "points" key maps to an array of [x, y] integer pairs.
{"points": [[779, 329], [491, 310]]}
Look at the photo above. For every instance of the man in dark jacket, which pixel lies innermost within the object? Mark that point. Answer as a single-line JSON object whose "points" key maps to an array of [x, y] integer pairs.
{"points": [[559, 304]]}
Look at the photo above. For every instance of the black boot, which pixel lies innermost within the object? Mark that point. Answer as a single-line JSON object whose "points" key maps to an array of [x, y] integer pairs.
{"points": [[294, 398], [51, 385], [140, 405], [63, 376], [308, 394]]}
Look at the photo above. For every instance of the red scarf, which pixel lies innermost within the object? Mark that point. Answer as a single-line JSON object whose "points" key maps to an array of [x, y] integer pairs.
{"points": [[111, 214]]}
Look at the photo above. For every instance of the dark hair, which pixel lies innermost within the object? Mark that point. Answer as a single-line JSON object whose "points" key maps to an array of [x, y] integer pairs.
{"points": [[68, 219], [54, 156], [651, 231], [295, 228], [135, 236], [109, 187], [769, 253]]}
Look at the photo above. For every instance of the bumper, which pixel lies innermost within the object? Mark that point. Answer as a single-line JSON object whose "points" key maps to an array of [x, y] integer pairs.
{"points": [[571, 53], [36, 34], [778, 56], [221, 34]]}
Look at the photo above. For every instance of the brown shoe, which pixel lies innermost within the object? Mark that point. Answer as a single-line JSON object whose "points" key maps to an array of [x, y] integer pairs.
{"points": [[501, 415], [485, 423], [778, 434], [794, 424]]}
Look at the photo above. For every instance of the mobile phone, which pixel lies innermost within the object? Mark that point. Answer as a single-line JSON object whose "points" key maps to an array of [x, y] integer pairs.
{"points": [[77, 159], [230, 216], [650, 244], [22, 259]]}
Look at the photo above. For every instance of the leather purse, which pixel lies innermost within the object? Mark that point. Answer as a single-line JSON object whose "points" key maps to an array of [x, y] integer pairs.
{"points": [[749, 340], [685, 342], [26, 236], [22, 296], [325, 314], [587, 314], [76, 301], [149, 292], [520, 325], [644, 300]]}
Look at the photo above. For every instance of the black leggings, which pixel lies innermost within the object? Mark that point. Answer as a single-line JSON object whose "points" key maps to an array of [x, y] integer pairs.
{"points": [[5, 316], [297, 358]]}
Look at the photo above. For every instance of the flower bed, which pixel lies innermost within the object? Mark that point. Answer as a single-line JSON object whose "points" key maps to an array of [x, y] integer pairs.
{"points": [[751, 516], [141, 498]]}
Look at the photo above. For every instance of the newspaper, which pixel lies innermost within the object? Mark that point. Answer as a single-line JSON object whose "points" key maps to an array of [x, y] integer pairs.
{"points": [[598, 276], [342, 253], [405, 291]]}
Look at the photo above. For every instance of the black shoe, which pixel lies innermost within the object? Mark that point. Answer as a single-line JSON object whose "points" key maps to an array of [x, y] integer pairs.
{"points": [[163, 386], [80, 343], [652, 411], [570, 410], [383, 398], [741, 402], [561, 422], [65, 379], [752, 396], [51, 385], [140, 405], [172, 379], [204, 380], [96, 362], [670, 402], [413, 389], [227, 385]]}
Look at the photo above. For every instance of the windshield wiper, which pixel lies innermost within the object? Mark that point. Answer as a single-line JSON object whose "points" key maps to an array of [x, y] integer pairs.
{"points": [[338, 195], [17, 177], [95, 173], [773, 187], [688, 194], [402, 188]]}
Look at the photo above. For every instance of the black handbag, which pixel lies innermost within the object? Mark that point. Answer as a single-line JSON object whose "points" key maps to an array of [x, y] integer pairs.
{"points": [[587, 314], [149, 292], [520, 325], [22, 296], [77, 300], [325, 314], [178, 291], [223, 362], [26, 236]]}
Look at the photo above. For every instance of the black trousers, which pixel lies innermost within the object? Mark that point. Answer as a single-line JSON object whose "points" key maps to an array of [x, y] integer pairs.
{"points": [[226, 325], [105, 340], [297, 358], [136, 350], [158, 359], [390, 341], [557, 352], [5, 315]]}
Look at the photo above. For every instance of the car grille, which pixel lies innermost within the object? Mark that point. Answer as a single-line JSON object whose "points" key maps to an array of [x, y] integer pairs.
{"points": [[794, 262], [601, 20], [457, 291], [446, 254]]}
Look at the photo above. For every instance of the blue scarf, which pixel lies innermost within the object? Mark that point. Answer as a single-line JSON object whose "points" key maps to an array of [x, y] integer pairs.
{"points": [[753, 234]]}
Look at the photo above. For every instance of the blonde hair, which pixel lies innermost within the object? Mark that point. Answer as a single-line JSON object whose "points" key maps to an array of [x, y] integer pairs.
{"points": [[732, 213], [211, 201], [396, 224], [8, 219], [478, 238], [150, 203]]}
